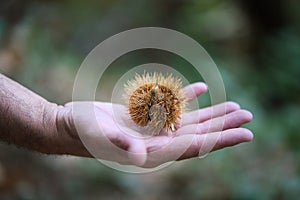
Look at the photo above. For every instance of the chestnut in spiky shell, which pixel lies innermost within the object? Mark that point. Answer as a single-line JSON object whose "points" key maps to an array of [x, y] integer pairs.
{"points": [[155, 101]]}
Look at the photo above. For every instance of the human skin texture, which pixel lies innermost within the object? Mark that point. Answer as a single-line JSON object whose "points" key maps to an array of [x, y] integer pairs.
{"points": [[29, 121]]}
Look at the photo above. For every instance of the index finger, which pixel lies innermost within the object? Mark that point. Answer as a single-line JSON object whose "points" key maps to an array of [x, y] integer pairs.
{"points": [[194, 90]]}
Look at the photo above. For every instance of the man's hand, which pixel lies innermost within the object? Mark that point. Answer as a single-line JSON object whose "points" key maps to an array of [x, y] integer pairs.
{"points": [[108, 133]]}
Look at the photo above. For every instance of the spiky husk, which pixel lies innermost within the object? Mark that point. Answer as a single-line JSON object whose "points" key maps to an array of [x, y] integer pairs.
{"points": [[155, 101]]}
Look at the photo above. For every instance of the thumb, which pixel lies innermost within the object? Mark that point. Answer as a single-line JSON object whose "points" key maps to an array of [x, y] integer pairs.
{"points": [[137, 152]]}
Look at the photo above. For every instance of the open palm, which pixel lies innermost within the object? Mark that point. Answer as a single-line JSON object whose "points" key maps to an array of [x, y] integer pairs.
{"points": [[109, 134]]}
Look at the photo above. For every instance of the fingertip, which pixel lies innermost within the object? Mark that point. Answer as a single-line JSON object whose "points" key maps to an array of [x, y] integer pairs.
{"points": [[201, 86], [247, 115], [233, 137], [194, 90], [238, 135], [247, 135], [232, 106], [250, 115], [137, 153]]}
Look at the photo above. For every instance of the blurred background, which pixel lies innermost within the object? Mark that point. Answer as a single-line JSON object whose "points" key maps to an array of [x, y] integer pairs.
{"points": [[256, 46]]}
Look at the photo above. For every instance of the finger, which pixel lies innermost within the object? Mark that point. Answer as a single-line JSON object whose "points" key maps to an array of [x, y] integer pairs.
{"points": [[165, 149], [137, 152], [203, 144], [204, 114], [232, 120], [233, 137], [194, 90]]}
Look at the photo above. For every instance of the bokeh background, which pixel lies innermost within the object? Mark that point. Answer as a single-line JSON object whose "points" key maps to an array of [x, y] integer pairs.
{"points": [[256, 46]]}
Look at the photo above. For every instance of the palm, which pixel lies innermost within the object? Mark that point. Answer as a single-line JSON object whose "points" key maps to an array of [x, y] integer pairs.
{"points": [[122, 141]]}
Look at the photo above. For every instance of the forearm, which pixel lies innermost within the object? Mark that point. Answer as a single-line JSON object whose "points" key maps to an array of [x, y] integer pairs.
{"points": [[26, 119]]}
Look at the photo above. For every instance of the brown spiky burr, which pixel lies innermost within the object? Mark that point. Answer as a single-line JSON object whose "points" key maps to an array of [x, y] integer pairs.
{"points": [[155, 101]]}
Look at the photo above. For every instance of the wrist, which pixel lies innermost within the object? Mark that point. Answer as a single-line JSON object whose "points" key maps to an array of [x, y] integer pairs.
{"points": [[67, 138], [48, 131]]}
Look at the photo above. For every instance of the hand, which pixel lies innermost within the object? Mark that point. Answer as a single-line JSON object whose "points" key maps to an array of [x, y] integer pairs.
{"points": [[108, 133]]}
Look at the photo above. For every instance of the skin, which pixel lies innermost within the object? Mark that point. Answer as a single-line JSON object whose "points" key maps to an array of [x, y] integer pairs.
{"points": [[27, 120]]}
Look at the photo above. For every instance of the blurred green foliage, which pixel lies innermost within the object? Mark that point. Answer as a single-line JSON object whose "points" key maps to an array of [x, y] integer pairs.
{"points": [[256, 46]]}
